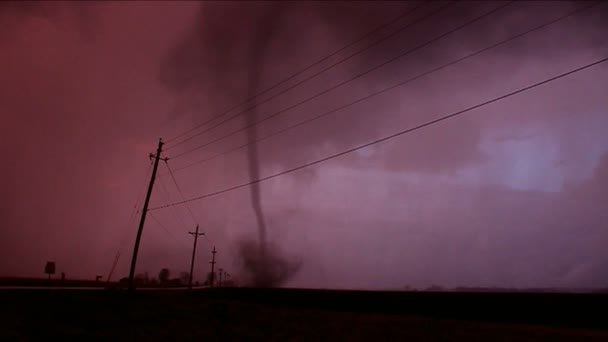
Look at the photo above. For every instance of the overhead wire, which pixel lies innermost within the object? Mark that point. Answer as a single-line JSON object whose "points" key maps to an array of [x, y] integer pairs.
{"points": [[167, 230], [161, 225], [134, 212], [331, 66], [179, 189], [167, 195], [386, 89], [206, 237], [301, 71], [392, 136], [141, 191], [357, 76]]}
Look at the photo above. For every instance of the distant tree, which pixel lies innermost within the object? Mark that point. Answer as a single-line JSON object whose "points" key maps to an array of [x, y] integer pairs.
{"points": [[139, 279], [209, 279], [184, 277], [163, 275], [228, 283], [174, 282], [435, 288], [123, 282], [49, 268]]}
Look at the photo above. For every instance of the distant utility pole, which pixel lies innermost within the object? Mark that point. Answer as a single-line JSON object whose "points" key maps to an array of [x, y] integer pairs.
{"points": [[220, 282], [196, 235], [144, 212], [213, 266], [113, 267]]}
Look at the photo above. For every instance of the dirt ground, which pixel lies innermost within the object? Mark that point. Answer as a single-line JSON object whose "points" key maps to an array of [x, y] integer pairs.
{"points": [[108, 315]]}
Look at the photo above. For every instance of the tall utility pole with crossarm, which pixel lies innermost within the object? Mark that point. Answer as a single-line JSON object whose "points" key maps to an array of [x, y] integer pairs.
{"points": [[196, 235], [144, 212], [212, 262]]}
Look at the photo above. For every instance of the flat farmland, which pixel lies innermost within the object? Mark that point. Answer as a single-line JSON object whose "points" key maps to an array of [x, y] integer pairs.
{"points": [[294, 314]]}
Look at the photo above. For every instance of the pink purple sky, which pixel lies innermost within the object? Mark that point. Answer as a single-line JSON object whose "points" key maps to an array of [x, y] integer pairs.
{"points": [[511, 194]]}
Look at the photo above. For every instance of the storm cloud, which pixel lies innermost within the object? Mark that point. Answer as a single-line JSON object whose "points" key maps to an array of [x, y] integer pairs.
{"points": [[511, 194]]}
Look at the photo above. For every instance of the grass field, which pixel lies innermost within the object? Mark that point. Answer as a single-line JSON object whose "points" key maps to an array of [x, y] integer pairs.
{"points": [[264, 314]]}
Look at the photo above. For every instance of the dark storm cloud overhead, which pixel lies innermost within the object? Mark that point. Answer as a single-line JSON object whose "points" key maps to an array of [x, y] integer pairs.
{"points": [[588, 23], [250, 46], [454, 204], [209, 64], [213, 53], [504, 237], [79, 15]]}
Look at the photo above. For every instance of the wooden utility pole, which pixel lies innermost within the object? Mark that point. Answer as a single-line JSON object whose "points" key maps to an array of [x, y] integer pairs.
{"points": [[196, 235], [144, 212], [220, 281], [213, 266], [113, 267]]}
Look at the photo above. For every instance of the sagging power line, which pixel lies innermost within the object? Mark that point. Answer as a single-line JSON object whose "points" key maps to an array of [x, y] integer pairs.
{"points": [[144, 211], [389, 137], [165, 191], [185, 201], [331, 66], [134, 212], [389, 88], [301, 71], [160, 224], [181, 193], [341, 84]]}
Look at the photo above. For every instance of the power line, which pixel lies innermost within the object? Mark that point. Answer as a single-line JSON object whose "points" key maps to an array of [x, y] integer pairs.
{"points": [[179, 189], [237, 114], [134, 212], [401, 55], [184, 198], [174, 212], [428, 123], [335, 110], [123, 243], [207, 239], [165, 229], [141, 191], [292, 76]]}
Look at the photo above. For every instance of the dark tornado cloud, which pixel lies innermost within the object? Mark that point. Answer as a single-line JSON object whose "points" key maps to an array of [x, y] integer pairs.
{"points": [[217, 51], [264, 264], [236, 50], [265, 27], [510, 194], [264, 268]]}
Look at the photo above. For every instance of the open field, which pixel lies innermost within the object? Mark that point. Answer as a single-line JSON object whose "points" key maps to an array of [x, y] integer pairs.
{"points": [[15, 281], [280, 314], [56, 282]]}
